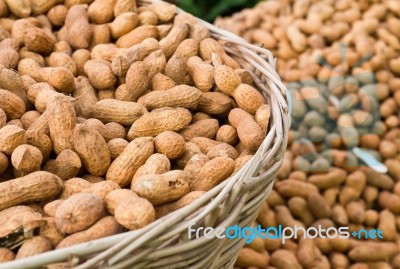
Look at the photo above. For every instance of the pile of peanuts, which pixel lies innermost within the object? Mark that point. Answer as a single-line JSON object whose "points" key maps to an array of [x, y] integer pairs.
{"points": [[116, 116], [341, 62]]}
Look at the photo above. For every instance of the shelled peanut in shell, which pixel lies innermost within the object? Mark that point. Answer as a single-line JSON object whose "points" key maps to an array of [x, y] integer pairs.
{"points": [[111, 109], [346, 52]]}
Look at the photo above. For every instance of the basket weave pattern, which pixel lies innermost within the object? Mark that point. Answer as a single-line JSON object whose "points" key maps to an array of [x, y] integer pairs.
{"points": [[164, 243]]}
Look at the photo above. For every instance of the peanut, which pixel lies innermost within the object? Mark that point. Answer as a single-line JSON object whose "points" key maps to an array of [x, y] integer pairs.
{"points": [[158, 121], [155, 164], [212, 173], [249, 132], [78, 212], [170, 143], [125, 113], [12, 105], [78, 28], [202, 73], [26, 189], [214, 103], [116, 146], [92, 149], [178, 96], [106, 226], [34, 246], [61, 118], [6, 255], [163, 188], [187, 199], [10, 138], [123, 168], [26, 158], [124, 204]]}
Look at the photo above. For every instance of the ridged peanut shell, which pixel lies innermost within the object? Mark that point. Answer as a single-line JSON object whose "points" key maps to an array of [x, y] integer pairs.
{"points": [[102, 188], [178, 96], [107, 226], [155, 62], [248, 98], [34, 246], [51, 207], [262, 117], [159, 189], [212, 173], [155, 164], [66, 165], [116, 197], [37, 186], [134, 213], [193, 167], [228, 134], [201, 72], [79, 212], [111, 110], [163, 210], [116, 146], [205, 128], [101, 35], [177, 34], [160, 120], [14, 217], [176, 67], [38, 40], [3, 118], [161, 82], [59, 58], [101, 11], [171, 144], [79, 31], [11, 137], [11, 104], [51, 232], [137, 35], [41, 141], [214, 103], [85, 97], [208, 47], [73, 186], [62, 119], [92, 149], [26, 158], [28, 118], [136, 83], [226, 79], [122, 6], [100, 74], [124, 167], [164, 11], [21, 9], [123, 24], [223, 150], [249, 132], [148, 17], [191, 149], [204, 143]]}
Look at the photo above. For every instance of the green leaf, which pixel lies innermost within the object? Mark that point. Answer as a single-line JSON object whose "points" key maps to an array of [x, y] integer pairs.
{"points": [[210, 9]]}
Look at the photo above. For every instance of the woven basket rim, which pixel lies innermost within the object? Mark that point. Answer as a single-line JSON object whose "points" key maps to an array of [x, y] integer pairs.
{"points": [[252, 183]]}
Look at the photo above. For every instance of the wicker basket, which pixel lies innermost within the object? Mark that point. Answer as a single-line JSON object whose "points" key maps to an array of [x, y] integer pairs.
{"points": [[164, 243]]}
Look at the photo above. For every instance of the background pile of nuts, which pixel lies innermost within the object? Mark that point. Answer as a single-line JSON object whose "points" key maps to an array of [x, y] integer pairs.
{"points": [[341, 61], [117, 115]]}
